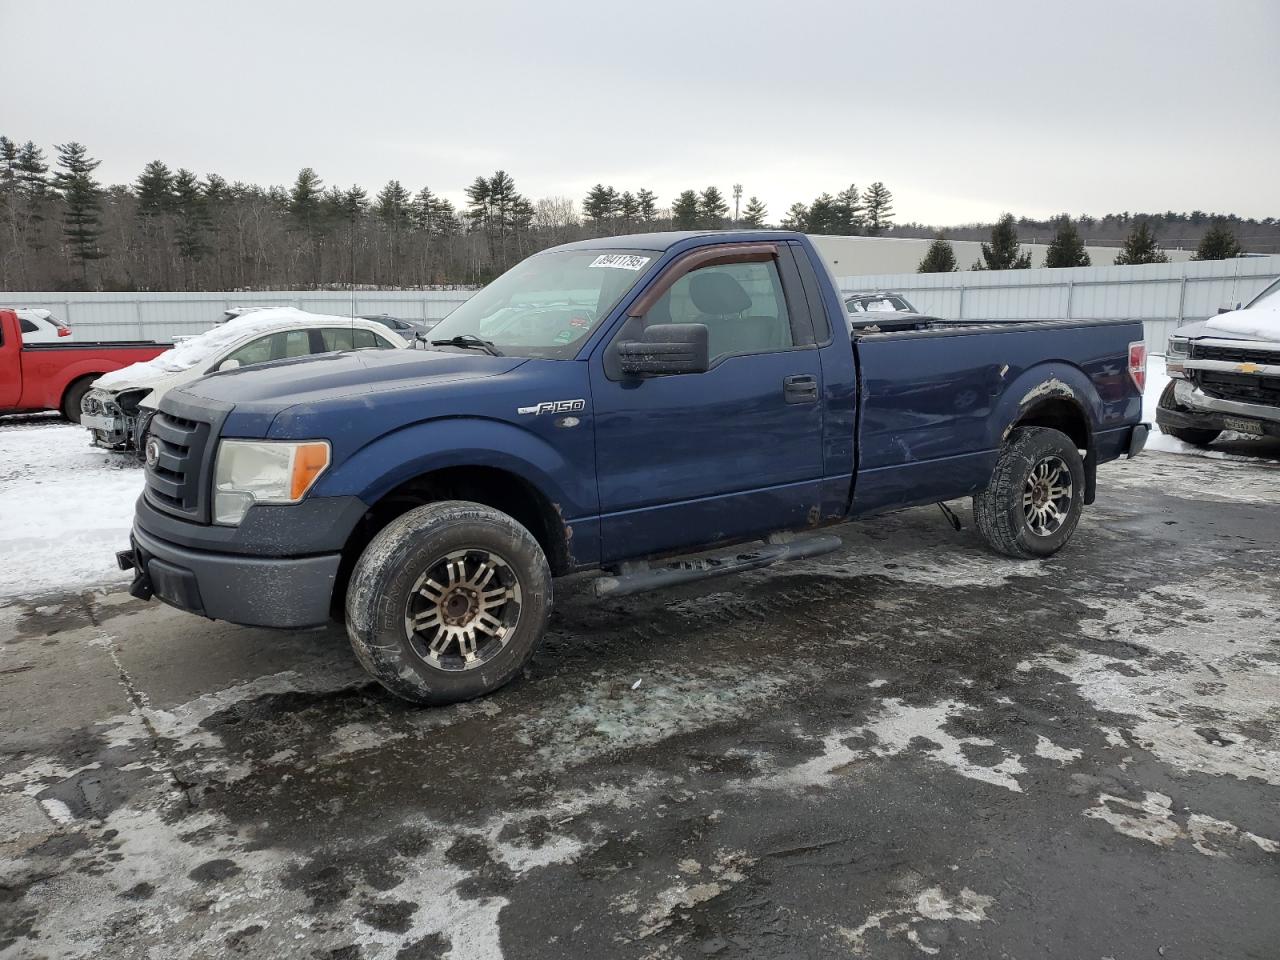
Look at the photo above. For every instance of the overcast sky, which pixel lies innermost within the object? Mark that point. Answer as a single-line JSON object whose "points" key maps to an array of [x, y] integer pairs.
{"points": [[964, 109]]}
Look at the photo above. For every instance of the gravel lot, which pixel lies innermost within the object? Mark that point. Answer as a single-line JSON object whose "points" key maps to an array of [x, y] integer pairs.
{"points": [[908, 748]]}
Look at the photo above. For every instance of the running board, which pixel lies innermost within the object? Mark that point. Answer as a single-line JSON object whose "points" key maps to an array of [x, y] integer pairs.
{"points": [[704, 568]]}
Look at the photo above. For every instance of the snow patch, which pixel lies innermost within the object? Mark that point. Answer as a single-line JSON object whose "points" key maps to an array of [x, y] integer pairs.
{"points": [[1262, 322], [1152, 819], [932, 904], [897, 728], [1051, 751]]}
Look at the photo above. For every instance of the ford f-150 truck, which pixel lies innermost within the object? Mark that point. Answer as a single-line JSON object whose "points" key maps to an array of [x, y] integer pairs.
{"points": [[606, 405], [51, 376]]}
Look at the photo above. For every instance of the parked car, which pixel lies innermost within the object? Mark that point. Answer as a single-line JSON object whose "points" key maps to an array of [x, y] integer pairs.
{"points": [[883, 312], [41, 326], [56, 376], [1225, 374], [878, 302], [409, 329], [116, 411], [607, 405]]}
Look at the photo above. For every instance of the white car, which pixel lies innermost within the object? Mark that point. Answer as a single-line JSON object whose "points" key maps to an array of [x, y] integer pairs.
{"points": [[41, 326], [121, 403]]}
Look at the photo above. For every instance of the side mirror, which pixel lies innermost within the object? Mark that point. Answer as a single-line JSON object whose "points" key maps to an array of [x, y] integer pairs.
{"points": [[231, 363], [1228, 307], [666, 348]]}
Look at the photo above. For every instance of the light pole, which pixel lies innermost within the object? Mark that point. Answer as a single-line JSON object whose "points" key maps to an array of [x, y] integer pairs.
{"points": [[737, 195]]}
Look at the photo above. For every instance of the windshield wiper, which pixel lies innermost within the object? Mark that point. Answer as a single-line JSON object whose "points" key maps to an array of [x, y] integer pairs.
{"points": [[469, 341]]}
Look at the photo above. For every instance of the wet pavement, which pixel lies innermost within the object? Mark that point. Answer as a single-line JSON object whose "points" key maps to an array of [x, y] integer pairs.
{"points": [[910, 748]]}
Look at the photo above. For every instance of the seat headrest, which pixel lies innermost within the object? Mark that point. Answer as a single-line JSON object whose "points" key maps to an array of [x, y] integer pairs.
{"points": [[716, 293]]}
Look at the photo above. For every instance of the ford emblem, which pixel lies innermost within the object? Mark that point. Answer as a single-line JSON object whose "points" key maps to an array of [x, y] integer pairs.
{"points": [[153, 452]]}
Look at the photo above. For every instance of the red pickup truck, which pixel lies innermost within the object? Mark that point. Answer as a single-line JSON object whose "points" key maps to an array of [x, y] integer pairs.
{"points": [[51, 376]]}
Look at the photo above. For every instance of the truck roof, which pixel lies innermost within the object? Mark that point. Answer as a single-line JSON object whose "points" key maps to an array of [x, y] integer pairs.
{"points": [[668, 239]]}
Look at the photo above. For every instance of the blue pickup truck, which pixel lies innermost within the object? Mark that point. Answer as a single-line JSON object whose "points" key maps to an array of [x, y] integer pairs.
{"points": [[609, 405]]}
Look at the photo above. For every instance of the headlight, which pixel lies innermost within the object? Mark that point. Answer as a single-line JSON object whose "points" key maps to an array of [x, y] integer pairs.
{"points": [[264, 471], [1178, 347]]}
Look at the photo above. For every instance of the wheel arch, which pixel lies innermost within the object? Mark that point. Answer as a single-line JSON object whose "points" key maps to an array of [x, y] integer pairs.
{"points": [[496, 487], [1058, 396]]}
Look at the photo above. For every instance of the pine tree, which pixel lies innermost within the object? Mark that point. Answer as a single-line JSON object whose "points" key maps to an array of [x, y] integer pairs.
{"points": [[824, 215], [684, 212], [599, 205], [1003, 252], [478, 202], [8, 166], [1140, 247], [1067, 249], [628, 207], [81, 200], [306, 207], [754, 214], [154, 190], [879, 203], [646, 205], [797, 218], [712, 209], [850, 212], [32, 169], [192, 217], [940, 257], [393, 205], [1218, 243]]}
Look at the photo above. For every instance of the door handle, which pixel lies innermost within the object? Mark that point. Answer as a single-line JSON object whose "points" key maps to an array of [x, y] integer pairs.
{"points": [[802, 388]]}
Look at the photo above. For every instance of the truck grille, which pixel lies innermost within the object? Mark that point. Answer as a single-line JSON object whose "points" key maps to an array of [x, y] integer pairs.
{"points": [[1241, 387], [1201, 351], [175, 481]]}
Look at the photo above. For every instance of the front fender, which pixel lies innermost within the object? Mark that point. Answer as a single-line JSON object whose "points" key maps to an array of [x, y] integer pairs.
{"points": [[395, 458], [1054, 380]]}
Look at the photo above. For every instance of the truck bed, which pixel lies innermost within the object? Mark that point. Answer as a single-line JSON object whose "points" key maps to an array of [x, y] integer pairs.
{"points": [[932, 401]]}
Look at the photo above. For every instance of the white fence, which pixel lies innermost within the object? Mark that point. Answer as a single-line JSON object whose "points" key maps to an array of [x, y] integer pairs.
{"points": [[1162, 295], [162, 316]]}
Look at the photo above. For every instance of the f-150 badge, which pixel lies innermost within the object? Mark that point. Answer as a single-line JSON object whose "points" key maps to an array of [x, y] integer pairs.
{"points": [[553, 406]]}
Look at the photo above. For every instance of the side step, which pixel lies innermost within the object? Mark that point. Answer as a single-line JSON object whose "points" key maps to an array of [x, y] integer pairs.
{"points": [[703, 568]]}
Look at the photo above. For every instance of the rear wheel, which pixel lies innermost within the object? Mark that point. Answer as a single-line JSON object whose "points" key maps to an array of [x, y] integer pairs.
{"points": [[1036, 495], [448, 602], [71, 399], [1192, 435]]}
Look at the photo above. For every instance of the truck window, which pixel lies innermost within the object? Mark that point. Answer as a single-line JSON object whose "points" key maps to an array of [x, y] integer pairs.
{"points": [[26, 325], [741, 304]]}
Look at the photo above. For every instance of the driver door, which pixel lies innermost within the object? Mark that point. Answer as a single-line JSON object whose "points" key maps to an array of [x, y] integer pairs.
{"points": [[692, 459]]}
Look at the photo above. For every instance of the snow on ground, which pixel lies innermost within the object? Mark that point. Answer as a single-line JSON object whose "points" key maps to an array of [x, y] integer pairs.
{"points": [[65, 508]]}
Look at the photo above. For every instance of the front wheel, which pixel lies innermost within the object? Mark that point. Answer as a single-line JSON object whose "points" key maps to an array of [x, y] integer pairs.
{"points": [[72, 398], [1036, 495], [448, 602]]}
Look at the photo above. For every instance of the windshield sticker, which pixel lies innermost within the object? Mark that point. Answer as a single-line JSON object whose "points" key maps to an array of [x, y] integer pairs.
{"points": [[620, 261]]}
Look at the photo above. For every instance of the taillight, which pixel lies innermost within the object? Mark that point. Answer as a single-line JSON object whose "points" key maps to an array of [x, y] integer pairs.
{"points": [[64, 331], [1138, 365]]}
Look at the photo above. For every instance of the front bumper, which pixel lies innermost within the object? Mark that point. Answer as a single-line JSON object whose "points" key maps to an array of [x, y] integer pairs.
{"points": [[287, 592], [1196, 410]]}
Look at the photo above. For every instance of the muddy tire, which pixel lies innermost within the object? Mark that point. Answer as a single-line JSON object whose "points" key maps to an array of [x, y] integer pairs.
{"points": [[448, 602], [1195, 437], [70, 408], [1033, 503]]}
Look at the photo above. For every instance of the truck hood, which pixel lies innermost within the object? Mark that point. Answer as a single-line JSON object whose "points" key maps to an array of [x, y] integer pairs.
{"points": [[1256, 324], [272, 387]]}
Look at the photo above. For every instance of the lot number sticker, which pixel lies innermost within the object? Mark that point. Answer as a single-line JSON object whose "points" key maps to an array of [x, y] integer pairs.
{"points": [[620, 261]]}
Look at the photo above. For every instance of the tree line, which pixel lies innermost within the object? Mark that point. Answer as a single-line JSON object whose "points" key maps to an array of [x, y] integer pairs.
{"points": [[1067, 248], [171, 229]]}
